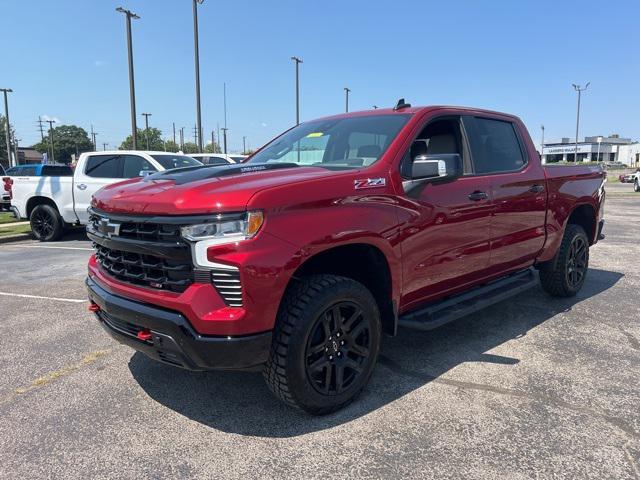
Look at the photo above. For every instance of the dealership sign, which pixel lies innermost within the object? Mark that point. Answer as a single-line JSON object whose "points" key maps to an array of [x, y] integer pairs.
{"points": [[568, 149]]}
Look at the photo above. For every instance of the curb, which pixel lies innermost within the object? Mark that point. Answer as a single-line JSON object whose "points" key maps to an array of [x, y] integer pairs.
{"points": [[15, 238]]}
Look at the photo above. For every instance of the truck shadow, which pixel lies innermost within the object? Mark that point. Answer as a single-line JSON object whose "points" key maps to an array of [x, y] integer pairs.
{"points": [[240, 403]]}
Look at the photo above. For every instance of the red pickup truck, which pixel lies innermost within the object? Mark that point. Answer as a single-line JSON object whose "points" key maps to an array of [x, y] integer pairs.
{"points": [[337, 231]]}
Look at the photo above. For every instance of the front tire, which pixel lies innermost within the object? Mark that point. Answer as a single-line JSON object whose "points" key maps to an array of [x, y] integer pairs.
{"points": [[566, 278], [325, 344], [636, 185], [46, 223]]}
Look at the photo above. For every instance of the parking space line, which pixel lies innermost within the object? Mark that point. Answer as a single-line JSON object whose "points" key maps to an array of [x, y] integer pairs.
{"points": [[52, 246], [21, 295]]}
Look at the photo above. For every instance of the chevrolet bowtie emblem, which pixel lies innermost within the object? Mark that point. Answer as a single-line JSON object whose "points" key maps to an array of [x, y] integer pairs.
{"points": [[107, 228]]}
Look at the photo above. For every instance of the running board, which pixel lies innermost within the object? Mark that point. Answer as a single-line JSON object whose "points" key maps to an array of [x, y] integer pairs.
{"points": [[444, 311]]}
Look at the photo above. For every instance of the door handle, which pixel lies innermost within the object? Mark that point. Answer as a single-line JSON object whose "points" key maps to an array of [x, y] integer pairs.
{"points": [[81, 186], [478, 196], [536, 188]]}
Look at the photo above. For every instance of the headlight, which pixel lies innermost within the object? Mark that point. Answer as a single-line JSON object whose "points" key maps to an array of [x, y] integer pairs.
{"points": [[226, 231]]}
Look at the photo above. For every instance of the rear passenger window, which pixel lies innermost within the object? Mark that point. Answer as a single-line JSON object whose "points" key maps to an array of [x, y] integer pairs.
{"points": [[495, 146], [57, 171], [28, 172], [104, 166]]}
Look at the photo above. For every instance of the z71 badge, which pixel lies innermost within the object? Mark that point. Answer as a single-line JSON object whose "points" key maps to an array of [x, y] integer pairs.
{"points": [[369, 183]]}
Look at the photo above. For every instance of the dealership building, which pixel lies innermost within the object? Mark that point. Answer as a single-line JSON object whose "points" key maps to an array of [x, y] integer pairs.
{"points": [[593, 149]]}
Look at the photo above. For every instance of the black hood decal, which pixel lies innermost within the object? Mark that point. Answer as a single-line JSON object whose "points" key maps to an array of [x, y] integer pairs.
{"points": [[194, 174]]}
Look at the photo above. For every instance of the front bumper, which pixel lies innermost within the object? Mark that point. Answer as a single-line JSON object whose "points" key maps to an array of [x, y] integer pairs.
{"points": [[172, 338]]}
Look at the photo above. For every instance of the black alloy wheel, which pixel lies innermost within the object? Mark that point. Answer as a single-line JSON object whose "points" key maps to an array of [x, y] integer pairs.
{"points": [[338, 348], [46, 224], [577, 260]]}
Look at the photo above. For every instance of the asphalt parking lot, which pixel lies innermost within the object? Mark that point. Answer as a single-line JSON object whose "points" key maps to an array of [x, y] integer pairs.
{"points": [[534, 387]]}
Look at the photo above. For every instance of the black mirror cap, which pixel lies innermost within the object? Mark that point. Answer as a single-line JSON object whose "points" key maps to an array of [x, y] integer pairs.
{"points": [[441, 166]]}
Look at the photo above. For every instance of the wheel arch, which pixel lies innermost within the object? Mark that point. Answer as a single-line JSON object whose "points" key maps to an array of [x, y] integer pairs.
{"points": [[33, 202], [584, 215]]}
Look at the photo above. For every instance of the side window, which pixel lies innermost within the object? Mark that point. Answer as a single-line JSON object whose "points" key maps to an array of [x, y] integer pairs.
{"points": [[133, 165], [28, 171], [216, 161], [495, 146], [104, 166], [54, 171]]}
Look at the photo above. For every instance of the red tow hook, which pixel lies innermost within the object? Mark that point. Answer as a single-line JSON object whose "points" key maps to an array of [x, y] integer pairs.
{"points": [[144, 335], [94, 307]]}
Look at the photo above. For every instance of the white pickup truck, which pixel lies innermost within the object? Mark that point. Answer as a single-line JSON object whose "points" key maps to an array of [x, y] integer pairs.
{"points": [[53, 203]]}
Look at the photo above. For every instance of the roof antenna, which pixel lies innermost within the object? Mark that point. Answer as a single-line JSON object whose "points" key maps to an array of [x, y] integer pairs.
{"points": [[401, 104]]}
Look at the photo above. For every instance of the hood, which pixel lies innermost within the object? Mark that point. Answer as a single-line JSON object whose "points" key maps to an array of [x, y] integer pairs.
{"points": [[199, 190]]}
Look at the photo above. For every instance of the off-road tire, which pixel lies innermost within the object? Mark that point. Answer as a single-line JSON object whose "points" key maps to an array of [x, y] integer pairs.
{"points": [[302, 315], [556, 279], [46, 223]]}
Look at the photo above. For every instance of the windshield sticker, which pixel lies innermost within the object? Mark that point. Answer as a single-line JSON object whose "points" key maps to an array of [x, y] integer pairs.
{"points": [[315, 134], [369, 183]]}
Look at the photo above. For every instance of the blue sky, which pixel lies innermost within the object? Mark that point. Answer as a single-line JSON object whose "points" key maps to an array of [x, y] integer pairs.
{"points": [[66, 59]]}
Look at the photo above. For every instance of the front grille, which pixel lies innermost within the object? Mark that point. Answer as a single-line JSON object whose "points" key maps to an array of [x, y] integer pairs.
{"points": [[227, 283], [146, 270], [150, 232]]}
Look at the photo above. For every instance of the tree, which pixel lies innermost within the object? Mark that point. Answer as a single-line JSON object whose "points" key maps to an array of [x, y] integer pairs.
{"points": [[155, 140], [4, 159], [190, 147], [67, 140], [212, 148], [171, 146]]}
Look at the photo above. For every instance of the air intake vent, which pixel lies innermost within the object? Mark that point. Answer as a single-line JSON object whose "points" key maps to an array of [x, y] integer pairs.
{"points": [[227, 283]]}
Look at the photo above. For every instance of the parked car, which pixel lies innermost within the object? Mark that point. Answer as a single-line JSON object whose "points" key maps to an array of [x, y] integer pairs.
{"points": [[636, 180], [627, 178], [40, 170], [52, 203], [337, 231], [5, 191], [218, 158]]}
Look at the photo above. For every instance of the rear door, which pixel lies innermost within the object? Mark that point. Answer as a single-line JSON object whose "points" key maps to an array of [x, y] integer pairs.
{"points": [[517, 183], [446, 237]]}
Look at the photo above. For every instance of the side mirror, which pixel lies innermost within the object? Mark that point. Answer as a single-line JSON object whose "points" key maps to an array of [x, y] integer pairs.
{"points": [[440, 166], [145, 173]]}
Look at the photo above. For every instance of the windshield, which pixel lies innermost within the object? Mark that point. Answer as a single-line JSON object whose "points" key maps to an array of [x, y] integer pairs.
{"points": [[169, 161], [352, 142]]}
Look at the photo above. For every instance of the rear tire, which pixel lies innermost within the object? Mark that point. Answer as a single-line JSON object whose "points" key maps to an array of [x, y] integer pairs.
{"points": [[566, 278], [46, 223], [636, 185], [325, 344]]}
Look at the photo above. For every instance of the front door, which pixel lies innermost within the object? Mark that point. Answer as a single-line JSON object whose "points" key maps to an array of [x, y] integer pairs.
{"points": [[445, 226]]}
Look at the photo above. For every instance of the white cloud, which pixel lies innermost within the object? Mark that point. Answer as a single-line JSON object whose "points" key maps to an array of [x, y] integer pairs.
{"points": [[263, 124], [99, 63], [46, 118]]}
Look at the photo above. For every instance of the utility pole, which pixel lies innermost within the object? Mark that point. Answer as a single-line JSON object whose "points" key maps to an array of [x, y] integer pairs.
{"points": [[218, 126], [93, 139], [297, 61], [6, 125], [578, 89], [104, 146], [146, 128], [213, 142], [41, 128], [182, 139], [174, 132], [224, 97], [51, 143], [244, 145], [132, 90], [224, 133], [346, 99], [542, 143], [197, 65], [195, 136], [15, 147]]}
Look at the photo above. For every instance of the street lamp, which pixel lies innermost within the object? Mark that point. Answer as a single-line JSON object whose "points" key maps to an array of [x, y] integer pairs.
{"points": [[146, 128], [6, 125], [598, 154], [197, 65], [132, 90], [578, 89], [224, 136], [297, 61], [51, 143], [244, 145], [542, 144], [346, 94]]}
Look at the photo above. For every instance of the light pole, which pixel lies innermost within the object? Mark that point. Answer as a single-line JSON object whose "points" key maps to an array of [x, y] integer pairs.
{"points": [[346, 99], [598, 154], [51, 143], [224, 136], [244, 145], [197, 62], [182, 139], [132, 89], [578, 89], [104, 146], [542, 144], [6, 125], [146, 128], [297, 61]]}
